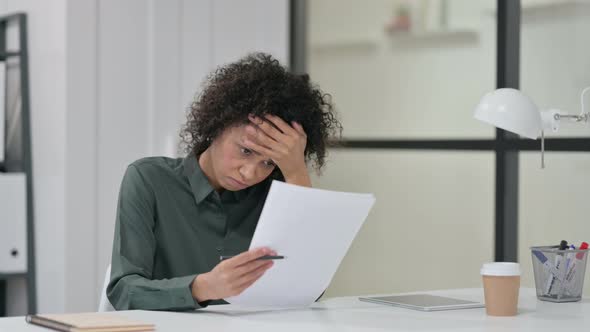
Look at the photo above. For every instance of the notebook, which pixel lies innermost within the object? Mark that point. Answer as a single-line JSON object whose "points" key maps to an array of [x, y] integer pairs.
{"points": [[89, 322], [424, 302]]}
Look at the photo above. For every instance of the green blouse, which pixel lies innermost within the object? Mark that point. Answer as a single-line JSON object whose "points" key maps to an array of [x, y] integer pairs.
{"points": [[171, 226]]}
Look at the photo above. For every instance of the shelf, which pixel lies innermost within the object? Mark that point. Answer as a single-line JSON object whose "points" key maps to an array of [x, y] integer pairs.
{"points": [[23, 162], [5, 276], [554, 4], [558, 9], [8, 54], [439, 37], [402, 37], [551, 9], [344, 45]]}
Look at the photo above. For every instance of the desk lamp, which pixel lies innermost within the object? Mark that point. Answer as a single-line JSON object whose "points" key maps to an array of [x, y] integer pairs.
{"points": [[511, 110]]}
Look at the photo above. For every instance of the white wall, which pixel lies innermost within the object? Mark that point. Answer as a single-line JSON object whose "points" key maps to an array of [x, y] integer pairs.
{"points": [[81, 149], [110, 82]]}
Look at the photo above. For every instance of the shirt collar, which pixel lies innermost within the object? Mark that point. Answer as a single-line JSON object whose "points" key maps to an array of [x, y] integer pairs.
{"points": [[200, 185]]}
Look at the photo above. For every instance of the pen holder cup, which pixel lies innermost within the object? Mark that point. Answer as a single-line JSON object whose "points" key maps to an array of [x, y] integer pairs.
{"points": [[559, 274]]}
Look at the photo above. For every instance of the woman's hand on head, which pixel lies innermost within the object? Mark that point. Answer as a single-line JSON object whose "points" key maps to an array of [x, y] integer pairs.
{"points": [[232, 276], [284, 144]]}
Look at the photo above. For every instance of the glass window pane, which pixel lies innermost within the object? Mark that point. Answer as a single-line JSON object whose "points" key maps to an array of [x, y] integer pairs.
{"points": [[555, 57], [553, 204], [419, 83], [434, 215]]}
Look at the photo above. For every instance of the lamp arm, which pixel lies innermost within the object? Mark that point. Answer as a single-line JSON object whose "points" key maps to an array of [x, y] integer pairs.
{"points": [[583, 117], [550, 121], [583, 112], [577, 118]]}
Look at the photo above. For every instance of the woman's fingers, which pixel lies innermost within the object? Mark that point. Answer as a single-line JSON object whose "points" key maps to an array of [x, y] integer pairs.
{"points": [[247, 280], [267, 128], [248, 256], [263, 150], [260, 138], [229, 277], [282, 125], [266, 134], [246, 285], [286, 150], [260, 268], [299, 128], [247, 268], [274, 126]]}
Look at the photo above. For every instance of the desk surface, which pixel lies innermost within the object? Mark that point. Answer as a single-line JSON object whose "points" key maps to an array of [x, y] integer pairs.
{"points": [[350, 314]]}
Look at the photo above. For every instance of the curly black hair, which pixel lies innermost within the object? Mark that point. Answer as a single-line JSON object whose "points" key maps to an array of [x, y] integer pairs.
{"points": [[257, 84]]}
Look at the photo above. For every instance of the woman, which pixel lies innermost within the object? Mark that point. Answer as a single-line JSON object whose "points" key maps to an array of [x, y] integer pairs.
{"points": [[254, 122]]}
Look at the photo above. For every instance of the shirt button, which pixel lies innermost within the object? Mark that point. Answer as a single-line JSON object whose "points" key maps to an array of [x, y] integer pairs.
{"points": [[219, 248]]}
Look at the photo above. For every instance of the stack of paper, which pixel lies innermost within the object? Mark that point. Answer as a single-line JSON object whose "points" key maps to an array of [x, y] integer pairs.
{"points": [[313, 229]]}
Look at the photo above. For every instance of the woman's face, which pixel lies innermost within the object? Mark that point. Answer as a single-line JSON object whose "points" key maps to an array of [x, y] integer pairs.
{"points": [[233, 166]]}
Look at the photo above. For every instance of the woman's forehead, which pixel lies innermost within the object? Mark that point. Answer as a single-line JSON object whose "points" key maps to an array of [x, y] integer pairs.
{"points": [[233, 134], [235, 130]]}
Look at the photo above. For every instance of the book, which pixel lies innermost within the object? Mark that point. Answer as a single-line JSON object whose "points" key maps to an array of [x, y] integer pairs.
{"points": [[2, 109], [89, 322]]}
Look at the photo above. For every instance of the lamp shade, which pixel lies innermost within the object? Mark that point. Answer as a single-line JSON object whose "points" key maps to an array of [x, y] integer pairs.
{"points": [[511, 110]]}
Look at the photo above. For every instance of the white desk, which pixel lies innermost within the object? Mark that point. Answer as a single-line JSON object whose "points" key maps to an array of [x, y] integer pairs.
{"points": [[350, 314]]}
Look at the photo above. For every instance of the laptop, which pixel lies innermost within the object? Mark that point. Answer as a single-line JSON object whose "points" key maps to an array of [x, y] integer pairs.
{"points": [[423, 302]]}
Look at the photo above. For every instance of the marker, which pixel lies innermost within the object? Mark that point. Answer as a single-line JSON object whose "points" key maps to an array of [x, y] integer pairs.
{"points": [[570, 274], [583, 246], [262, 258], [568, 260], [550, 268], [558, 260], [569, 257]]}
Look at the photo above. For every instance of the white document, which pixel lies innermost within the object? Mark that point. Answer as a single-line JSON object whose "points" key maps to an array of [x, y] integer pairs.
{"points": [[13, 223], [313, 229]]}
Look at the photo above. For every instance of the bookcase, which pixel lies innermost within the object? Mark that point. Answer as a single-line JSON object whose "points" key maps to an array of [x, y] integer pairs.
{"points": [[17, 240]]}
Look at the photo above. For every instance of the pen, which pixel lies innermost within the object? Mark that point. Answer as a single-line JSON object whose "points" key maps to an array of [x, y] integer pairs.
{"points": [[569, 258], [563, 245], [262, 258], [546, 264], [570, 273], [549, 287]]}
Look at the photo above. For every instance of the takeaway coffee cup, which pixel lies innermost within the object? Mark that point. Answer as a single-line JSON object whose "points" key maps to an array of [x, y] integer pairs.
{"points": [[501, 282]]}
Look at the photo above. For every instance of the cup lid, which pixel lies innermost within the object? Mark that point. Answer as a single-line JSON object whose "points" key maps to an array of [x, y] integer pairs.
{"points": [[500, 269]]}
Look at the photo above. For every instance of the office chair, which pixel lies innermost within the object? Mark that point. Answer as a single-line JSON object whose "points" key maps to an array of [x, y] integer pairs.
{"points": [[105, 305]]}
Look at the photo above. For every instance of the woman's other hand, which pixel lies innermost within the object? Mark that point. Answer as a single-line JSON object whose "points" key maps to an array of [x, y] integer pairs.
{"points": [[284, 144], [232, 276]]}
